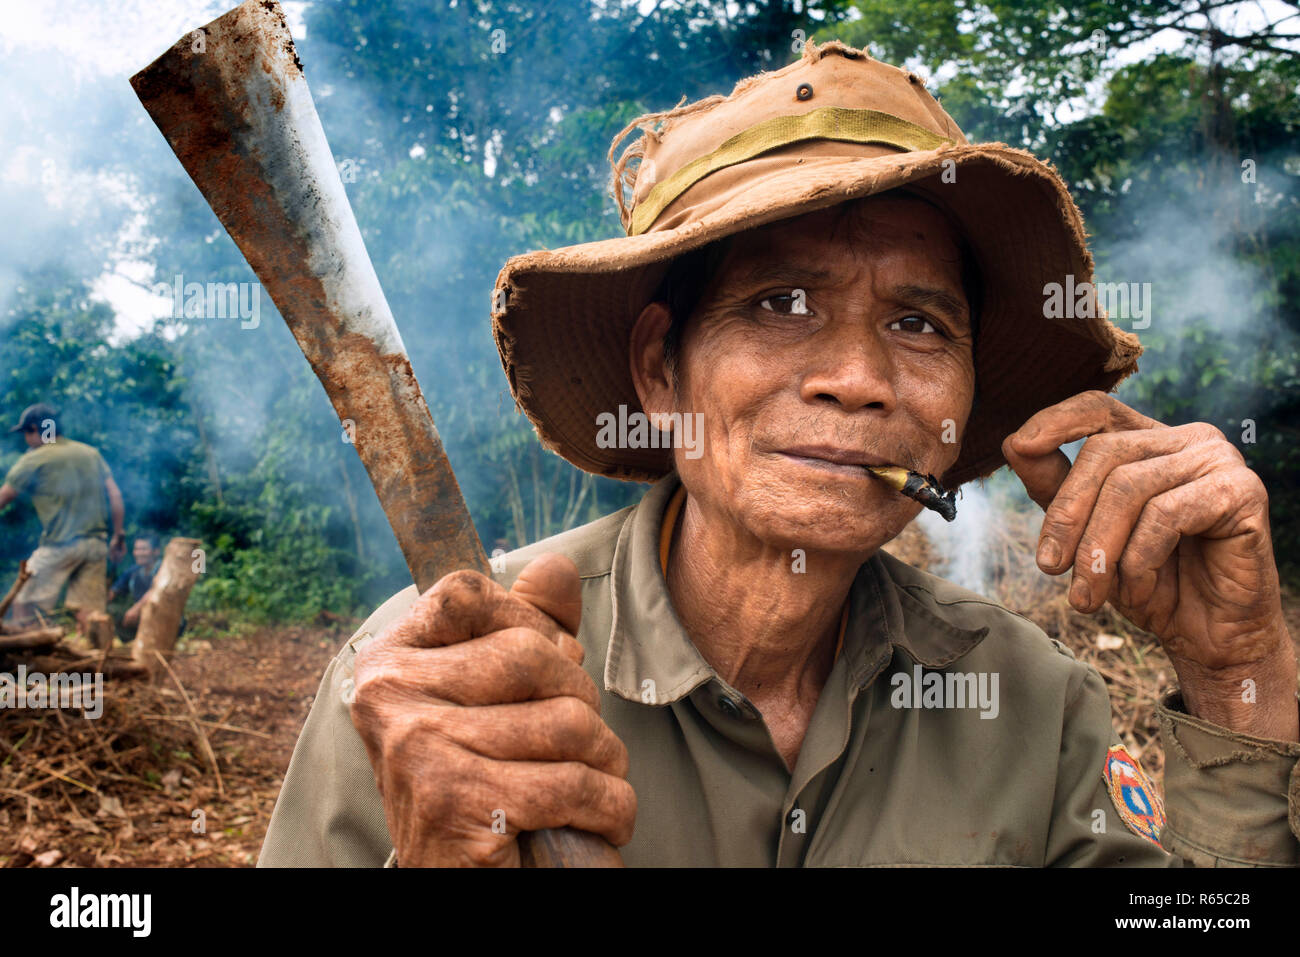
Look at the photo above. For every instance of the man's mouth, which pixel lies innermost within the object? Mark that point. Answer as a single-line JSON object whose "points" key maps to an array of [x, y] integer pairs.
{"points": [[832, 459], [911, 483]]}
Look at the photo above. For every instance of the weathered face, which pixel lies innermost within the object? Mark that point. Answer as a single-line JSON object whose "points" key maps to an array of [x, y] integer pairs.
{"points": [[821, 347]]}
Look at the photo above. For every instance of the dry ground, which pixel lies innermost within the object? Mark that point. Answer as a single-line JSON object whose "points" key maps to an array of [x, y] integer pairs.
{"points": [[136, 786], [133, 787]]}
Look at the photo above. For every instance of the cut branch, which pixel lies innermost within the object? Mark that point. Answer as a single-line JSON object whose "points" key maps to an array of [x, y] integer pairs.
{"points": [[24, 573], [38, 638]]}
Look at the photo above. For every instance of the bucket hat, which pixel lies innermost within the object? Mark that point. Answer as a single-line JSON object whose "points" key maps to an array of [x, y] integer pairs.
{"points": [[834, 126]]}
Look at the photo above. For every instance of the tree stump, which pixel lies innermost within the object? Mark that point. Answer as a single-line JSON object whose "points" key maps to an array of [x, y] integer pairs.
{"points": [[164, 605], [99, 629]]}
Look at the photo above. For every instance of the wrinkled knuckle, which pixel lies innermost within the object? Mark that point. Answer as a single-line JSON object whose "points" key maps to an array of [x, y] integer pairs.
{"points": [[1206, 432], [1057, 524], [1096, 399], [1160, 513], [399, 737], [1087, 554], [1253, 486], [624, 802], [1068, 498], [575, 723], [440, 796], [534, 645], [1232, 454], [519, 646], [1228, 486], [1123, 485], [621, 760], [372, 687], [563, 786], [485, 853], [441, 724], [588, 686], [460, 589], [522, 658], [367, 716], [1130, 563], [587, 786], [383, 642], [1095, 448]]}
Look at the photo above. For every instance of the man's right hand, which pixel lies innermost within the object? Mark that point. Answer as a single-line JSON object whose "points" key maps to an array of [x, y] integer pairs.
{"points": [[480, 721], [132, 616]]}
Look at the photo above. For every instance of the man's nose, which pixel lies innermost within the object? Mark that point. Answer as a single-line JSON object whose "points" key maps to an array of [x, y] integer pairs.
{"points": [[852, 368]]}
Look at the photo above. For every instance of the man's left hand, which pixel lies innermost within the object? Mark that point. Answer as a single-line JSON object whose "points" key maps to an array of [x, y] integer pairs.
{"points": [[117, 547], [1170, 526]]}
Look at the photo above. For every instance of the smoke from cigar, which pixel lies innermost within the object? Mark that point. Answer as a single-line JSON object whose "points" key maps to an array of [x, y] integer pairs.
{"points": [[923, 488]]}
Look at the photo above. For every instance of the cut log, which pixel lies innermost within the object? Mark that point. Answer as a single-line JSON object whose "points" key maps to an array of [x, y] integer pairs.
{"points": [[164, 605], [99, 630], [117, 664], [37, 638]]}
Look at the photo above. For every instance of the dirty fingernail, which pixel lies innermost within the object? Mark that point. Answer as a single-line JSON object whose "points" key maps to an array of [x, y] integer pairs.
{"points": [[1049, 553], [1080, 593]]}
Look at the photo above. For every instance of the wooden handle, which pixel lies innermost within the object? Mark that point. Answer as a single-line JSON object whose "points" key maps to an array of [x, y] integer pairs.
{"points": [[566, 847], [237, 112]]}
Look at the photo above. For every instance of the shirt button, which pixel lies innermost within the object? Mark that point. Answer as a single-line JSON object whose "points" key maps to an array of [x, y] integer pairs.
{"points": [[728, 707]]}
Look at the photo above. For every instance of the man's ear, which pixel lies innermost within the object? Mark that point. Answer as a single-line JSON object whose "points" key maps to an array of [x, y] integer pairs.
{"points": [[650, 373]]}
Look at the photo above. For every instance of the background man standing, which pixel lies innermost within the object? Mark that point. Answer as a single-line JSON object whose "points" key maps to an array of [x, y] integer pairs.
{"points": [[66, 482]]}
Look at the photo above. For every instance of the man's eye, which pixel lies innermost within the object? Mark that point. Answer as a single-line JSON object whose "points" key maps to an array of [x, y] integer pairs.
{"points": [[912, 324], [793, 303]]}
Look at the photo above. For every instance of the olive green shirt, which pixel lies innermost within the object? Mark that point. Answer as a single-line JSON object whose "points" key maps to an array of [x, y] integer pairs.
{"points": [[66, 483], [1014, 780]]}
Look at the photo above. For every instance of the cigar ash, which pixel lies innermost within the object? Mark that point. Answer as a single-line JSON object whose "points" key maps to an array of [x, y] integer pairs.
{"points": [[922, 488]]}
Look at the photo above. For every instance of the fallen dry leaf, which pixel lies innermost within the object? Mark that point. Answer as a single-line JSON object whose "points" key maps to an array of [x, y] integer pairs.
{"points": [[110, 806]]}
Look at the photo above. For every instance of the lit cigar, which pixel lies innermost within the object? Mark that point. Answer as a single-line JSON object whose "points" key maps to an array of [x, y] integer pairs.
{"points": [[924, 488]]}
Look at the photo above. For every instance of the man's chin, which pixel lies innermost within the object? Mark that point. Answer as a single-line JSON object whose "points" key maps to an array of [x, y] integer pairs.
{"points": [[835, 516]]}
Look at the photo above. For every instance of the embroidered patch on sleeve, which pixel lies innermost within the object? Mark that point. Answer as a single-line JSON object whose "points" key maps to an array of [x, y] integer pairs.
{"points": [[1133, 794]]}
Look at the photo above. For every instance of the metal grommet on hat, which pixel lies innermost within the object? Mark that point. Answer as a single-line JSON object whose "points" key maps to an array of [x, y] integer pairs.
{"points": [[803, 92]]}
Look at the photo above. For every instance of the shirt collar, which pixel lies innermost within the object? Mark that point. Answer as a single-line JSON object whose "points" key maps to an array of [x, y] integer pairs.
{"points": [[652, 660]]}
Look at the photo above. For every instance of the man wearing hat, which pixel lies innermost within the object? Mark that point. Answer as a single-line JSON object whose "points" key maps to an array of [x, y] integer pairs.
{"points": [[845, 299], [67, 482]]}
